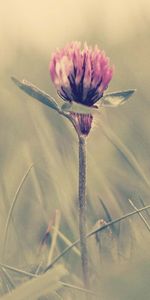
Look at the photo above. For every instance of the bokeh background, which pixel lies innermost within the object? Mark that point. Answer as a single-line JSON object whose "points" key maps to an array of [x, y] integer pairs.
{"points": [[118, 147]]}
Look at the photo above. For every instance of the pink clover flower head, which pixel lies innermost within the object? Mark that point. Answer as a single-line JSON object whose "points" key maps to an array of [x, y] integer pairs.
{"points": [[80, 75]]}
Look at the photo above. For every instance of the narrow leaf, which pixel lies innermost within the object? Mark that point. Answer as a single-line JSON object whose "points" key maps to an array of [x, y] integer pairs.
{"points": [[67, 241], [101, 228], [10, 213], [140, 214], [116, 98], [68, 285], [36, 93], [38, 287]]}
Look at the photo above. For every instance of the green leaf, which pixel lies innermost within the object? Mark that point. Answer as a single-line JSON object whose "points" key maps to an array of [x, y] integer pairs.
{"points": [[78, 108], [36, 93], [116, 98], [40, 286]]}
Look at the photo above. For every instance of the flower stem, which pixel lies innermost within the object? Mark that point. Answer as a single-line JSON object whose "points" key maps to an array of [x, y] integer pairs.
{"points": [[82, 210]]}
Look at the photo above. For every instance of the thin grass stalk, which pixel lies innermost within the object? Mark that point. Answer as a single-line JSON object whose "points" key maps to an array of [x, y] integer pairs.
{"points": [[140, 214], [93, 232]]}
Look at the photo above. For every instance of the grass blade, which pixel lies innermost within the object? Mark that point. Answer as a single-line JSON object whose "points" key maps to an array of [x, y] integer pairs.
{"points": [[12, 208], [54, 236], [37, 287], [93, 232], [140, 214]]}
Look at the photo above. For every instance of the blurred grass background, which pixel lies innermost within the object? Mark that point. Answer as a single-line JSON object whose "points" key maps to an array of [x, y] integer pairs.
{"points": [[118, 147]]}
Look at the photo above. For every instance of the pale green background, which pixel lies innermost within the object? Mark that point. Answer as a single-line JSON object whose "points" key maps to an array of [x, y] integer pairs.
{"points": [[118, 147]]}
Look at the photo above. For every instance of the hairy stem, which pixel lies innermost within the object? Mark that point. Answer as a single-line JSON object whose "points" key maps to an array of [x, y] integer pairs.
{"points": [[82, 210]]}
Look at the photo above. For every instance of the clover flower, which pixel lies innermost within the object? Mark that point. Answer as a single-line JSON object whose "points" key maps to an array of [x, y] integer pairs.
{"points": [[82, 76]]}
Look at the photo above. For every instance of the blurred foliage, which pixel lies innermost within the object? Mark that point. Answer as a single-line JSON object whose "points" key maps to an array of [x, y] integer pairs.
{"points": [[118, 147], [44, 285]]}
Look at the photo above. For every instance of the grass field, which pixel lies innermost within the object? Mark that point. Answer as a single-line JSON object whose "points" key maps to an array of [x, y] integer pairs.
{"points": [[39, 155]]}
